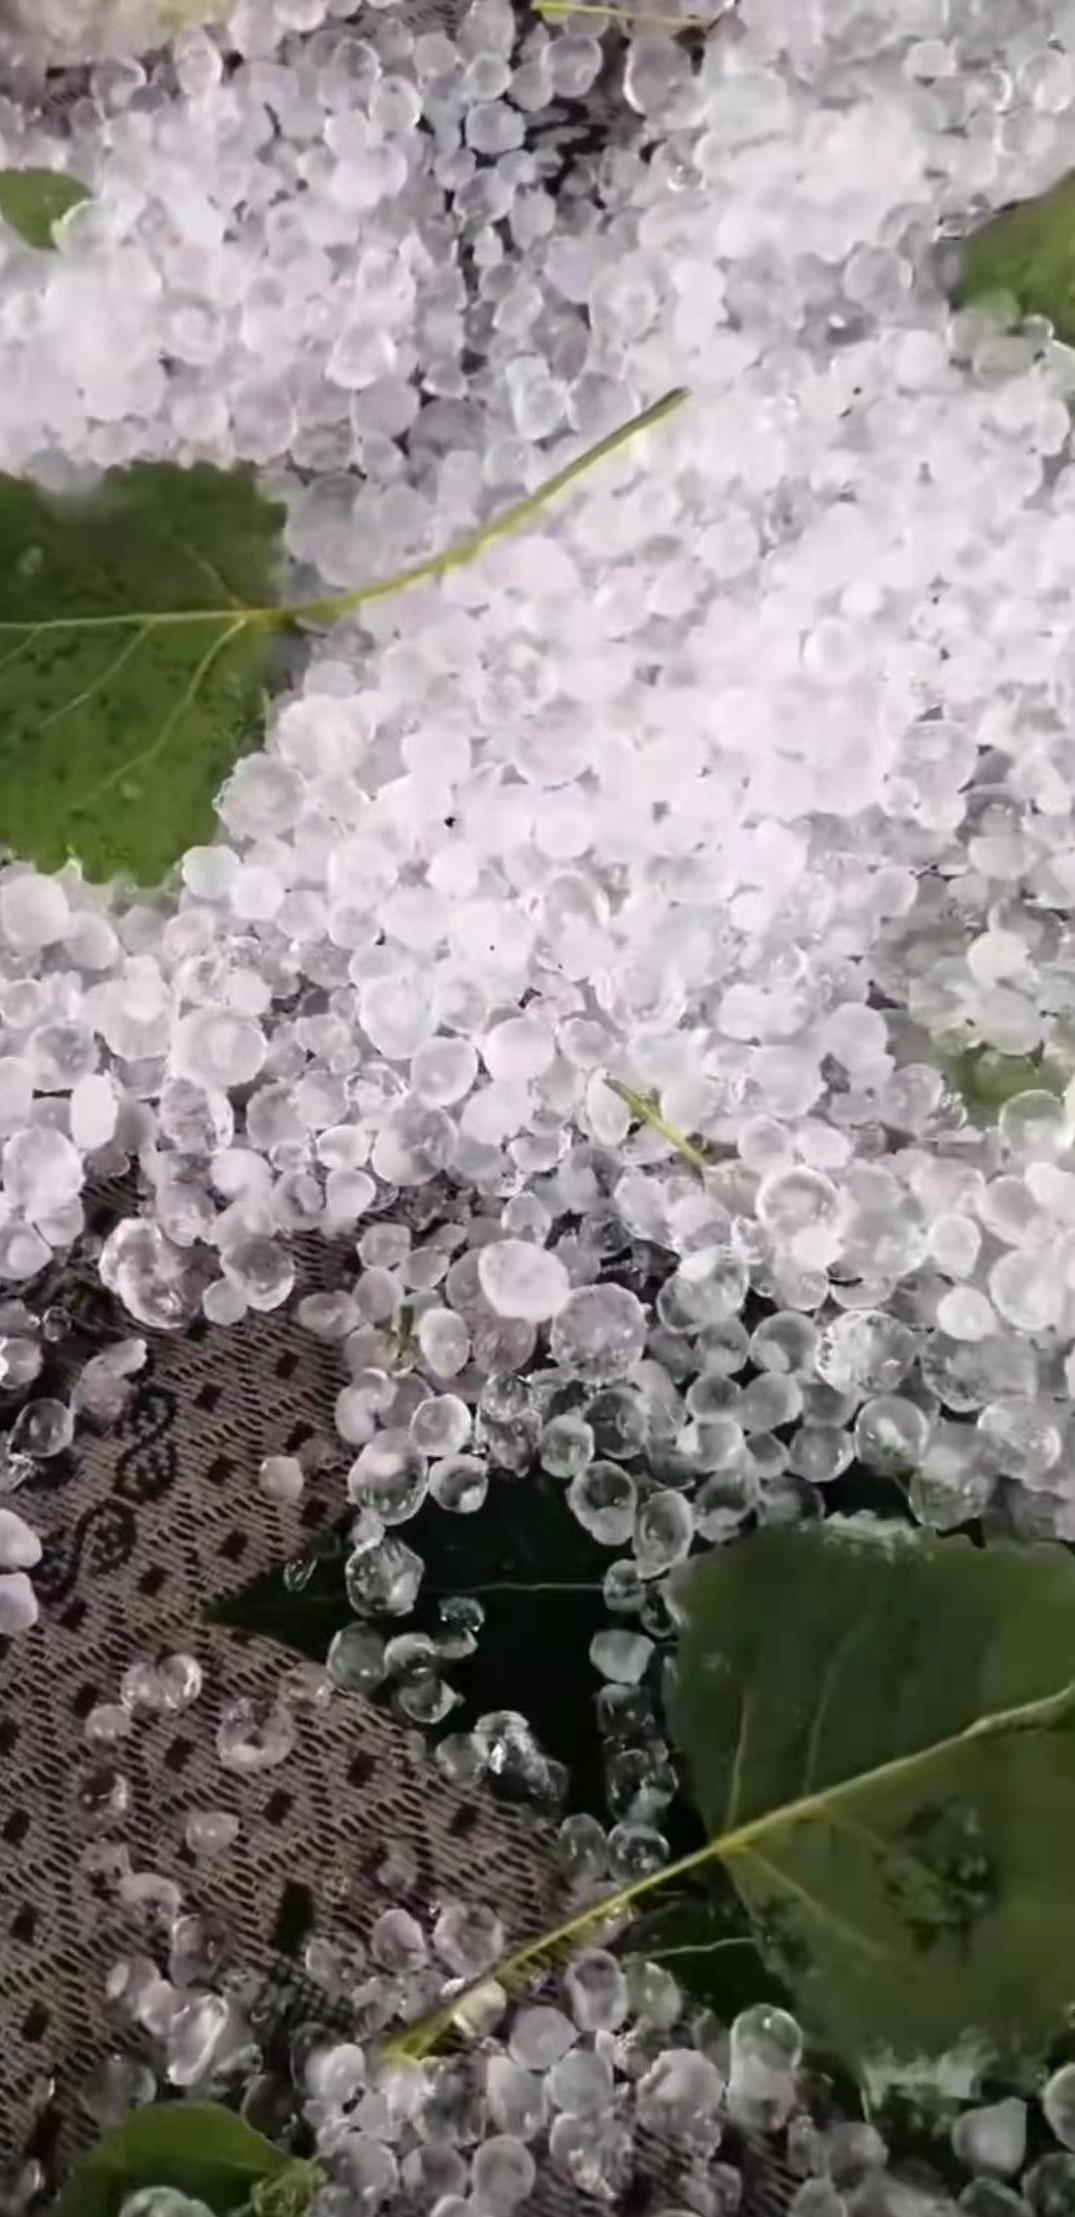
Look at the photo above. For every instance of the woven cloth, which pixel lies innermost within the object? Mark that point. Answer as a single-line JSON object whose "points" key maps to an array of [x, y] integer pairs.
{"points": [[149, 1524], [141, 1529]]}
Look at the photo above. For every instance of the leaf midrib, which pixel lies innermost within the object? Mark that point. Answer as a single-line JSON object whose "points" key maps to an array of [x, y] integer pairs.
{"points": [[1043, 1711], [144, 619]]}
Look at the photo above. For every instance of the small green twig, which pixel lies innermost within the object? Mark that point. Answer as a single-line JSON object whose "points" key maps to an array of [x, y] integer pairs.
{"points": [[645, 1108], [466, 549], [697, 1947], [552, 11]]}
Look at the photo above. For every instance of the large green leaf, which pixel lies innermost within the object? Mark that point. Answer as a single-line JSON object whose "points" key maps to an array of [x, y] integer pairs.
{"points": [[880, 1730], [197, 2147], [33, 200], [132, 668], [136, 624], [1027, 252]]}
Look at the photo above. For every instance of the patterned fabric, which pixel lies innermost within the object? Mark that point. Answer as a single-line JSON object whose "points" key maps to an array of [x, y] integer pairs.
{"points": [[139, 1532], [141, 1529]]}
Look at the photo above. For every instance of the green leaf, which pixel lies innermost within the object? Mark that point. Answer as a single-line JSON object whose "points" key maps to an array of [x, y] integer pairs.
{"points": [[136, 625], [198, 2147], [880, 1730], [125, 703], [1027, 252], [289, 2194], [32, 200], [985, 1079]]}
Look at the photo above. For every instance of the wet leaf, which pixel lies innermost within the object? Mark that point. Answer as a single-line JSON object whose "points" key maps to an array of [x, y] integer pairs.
{"points": [[1027, 252], [32, 200], [880, 1731], [302, 1613], [132, 661], [197, 2147], [881, 1736]]}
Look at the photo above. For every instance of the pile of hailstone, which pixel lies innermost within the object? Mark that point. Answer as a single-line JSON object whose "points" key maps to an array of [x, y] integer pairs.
{"points": [[599, 2075], [563, 2085], [53, 32], [742, 779], [607, 2076]]}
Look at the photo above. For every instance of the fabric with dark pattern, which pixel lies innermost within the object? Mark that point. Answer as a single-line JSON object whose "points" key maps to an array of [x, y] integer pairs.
{"points": [[143, 1529]]}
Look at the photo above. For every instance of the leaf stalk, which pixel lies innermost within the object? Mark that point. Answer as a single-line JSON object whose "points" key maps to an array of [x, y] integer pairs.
{"points": [[420, 2039]]}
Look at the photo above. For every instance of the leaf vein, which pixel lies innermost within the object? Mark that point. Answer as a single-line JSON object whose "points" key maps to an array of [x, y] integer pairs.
{"points": [[177, 710], [1040, 1713], [98, 684], [735, 1778], [828, 1684], [208, 568], [29, 635], [817, 1909]]}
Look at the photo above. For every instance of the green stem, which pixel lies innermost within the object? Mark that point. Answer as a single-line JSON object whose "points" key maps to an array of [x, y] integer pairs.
{"points": [[553, 10], [699, 1947], [473, 543], [647, 1112], [738, 1840], [333, 606], [512, 1585]]}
